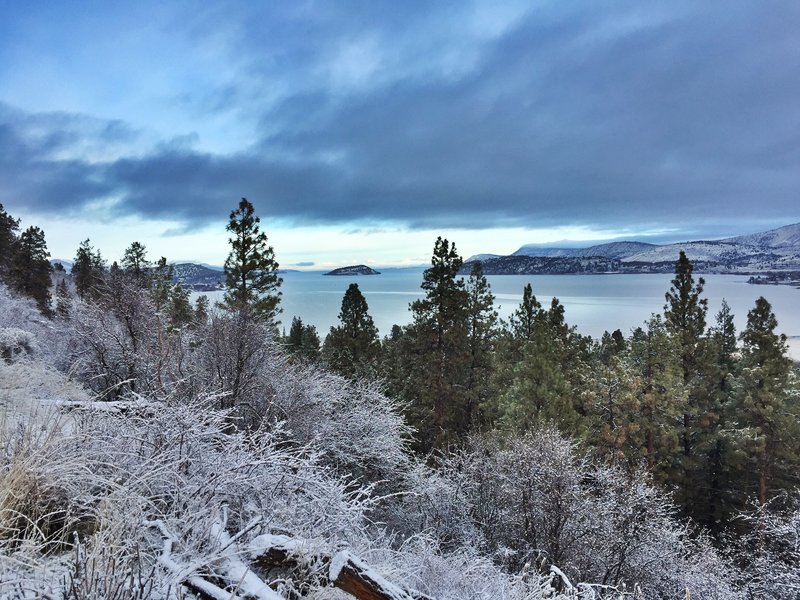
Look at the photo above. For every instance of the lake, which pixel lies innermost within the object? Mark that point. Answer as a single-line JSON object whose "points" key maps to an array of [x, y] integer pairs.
{"points": [[594, 303]]}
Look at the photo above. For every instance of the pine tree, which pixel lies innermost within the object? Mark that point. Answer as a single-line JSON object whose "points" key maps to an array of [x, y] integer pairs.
{"points": [[87, 270], [31, 268], [8, 239], [482, 323], [661, 397], [135, 263], [302, 341], [523, 320], [439, 375], [251, 270], [180, 309], [685, 318], [352, 348], [63, 299], [201, 306], [714, 509], [766, 406]]}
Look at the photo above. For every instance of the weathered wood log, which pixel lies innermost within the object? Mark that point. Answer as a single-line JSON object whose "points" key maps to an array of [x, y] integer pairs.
{"points": [[342, 570]]}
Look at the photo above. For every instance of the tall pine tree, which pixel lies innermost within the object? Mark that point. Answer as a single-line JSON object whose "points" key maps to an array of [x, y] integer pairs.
{"points": [[441, 351], [8, 239], [251, 275], [31, 268], [87, 270], [352, 348], [766, 405]]}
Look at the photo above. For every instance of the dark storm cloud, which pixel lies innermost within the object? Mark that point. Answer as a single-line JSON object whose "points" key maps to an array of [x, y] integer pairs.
{"points": [[603, 114]]}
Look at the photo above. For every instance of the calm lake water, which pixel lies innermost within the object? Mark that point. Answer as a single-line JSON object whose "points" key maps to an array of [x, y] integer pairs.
{"points": [[594, 303]]}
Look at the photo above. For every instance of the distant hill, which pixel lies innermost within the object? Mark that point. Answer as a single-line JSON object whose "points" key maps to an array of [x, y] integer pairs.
{"points": [[198, 277], [776, 250], [353, 270], [608, 250]]}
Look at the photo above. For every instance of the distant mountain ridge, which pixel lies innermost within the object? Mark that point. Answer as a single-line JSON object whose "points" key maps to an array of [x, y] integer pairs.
{"points": [[776, 250]]}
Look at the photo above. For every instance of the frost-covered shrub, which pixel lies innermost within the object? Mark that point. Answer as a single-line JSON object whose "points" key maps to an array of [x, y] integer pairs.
{"points": [[125, 478], [15, 342], [770, 554], [539, 502], [48, 339]]}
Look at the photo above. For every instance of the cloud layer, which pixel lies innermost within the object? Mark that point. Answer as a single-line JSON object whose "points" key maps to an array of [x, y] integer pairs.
{"points": [[421, 114]]}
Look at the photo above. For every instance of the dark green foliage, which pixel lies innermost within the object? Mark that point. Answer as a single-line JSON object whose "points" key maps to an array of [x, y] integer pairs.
{"points": [[180, 309], [482, 324], [352, 348], [438, 376], [134, 261], [539, 360], [63, 299], [303, 341], [201, 306], [8, 239], [159, 280], [767, 406], [685, 317], [30, 268], [250, 269], [523, 321], [87, 270]]}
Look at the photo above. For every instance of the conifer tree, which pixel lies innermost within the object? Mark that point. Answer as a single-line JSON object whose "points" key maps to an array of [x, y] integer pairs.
{"points": [[482, 323], [661, 398], [201, 306], [63, 299], [303, 340], [767, 407], [8, 239], [352, 348], [714, 507], [87, 269], [134, 261], [441, 350], [31, 268], [250, 269], [523, 320], [685, 318]]}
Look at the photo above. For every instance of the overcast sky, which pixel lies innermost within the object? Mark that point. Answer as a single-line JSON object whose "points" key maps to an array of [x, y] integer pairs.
{"points": [[361, 130]]}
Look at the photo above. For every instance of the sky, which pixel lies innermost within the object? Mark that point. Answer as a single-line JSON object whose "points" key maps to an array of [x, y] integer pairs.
{"points": [[361, 131]]}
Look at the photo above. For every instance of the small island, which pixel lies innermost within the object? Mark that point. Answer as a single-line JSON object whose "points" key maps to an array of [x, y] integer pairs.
{"points": [[354, 270]]}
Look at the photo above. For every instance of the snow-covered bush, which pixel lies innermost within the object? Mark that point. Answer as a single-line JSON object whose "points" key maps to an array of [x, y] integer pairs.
{"points": [[770, 554], [15, 342], [539, 502], [24, 324]]}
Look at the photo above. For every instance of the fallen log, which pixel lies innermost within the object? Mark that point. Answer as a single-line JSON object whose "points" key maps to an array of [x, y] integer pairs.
{"points": [[342, 570]]}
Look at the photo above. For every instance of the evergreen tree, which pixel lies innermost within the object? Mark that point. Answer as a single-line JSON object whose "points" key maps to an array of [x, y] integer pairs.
{"points": [[767, 406], [8, 239], [87, 270], [134, 261], [63, 299], [201, 306], [180, 309], [250, 269], [439, 375], [352, 348], [482, 323], [302, 340], [159, 280], [661, 398], [715, 508], [523, 320], [31, 268], [685, 318]]}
